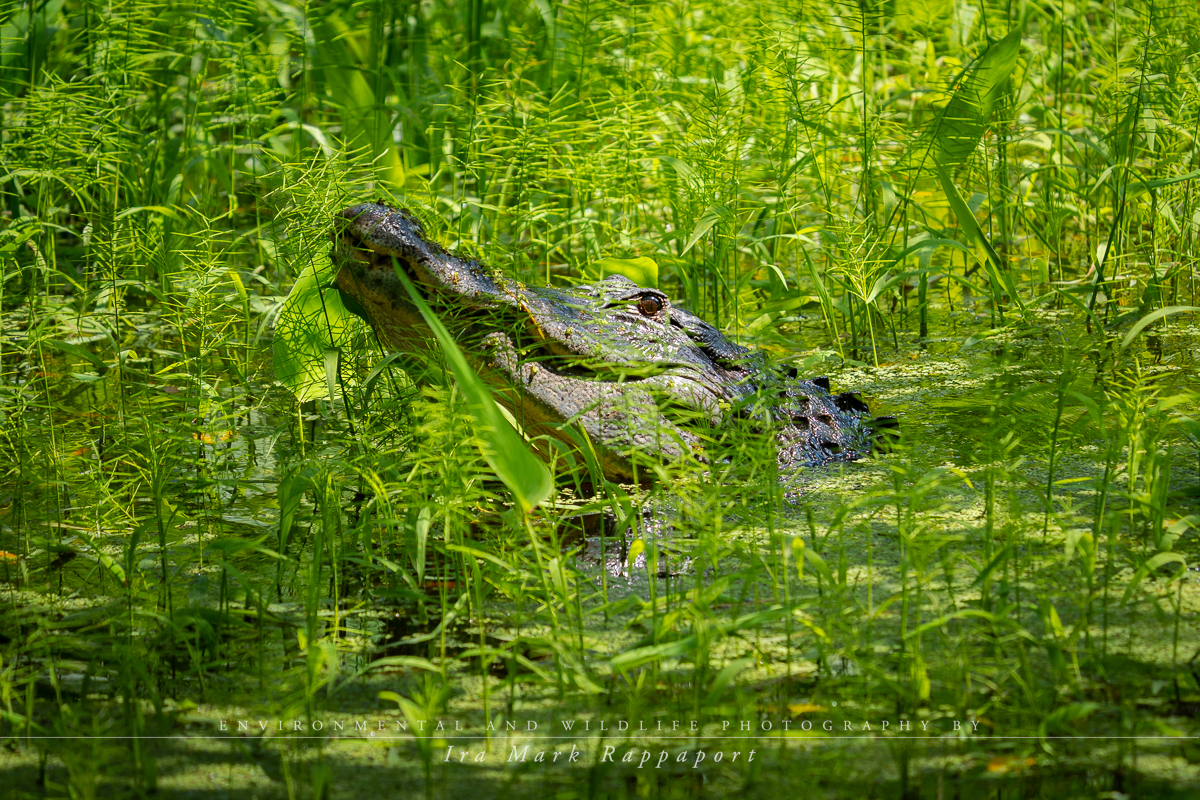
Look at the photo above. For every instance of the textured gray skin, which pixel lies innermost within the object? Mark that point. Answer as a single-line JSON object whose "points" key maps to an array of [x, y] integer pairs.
{"points": [[637, 378]]}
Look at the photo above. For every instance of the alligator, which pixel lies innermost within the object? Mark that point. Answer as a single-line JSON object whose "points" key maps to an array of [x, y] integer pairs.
{"points": [[646, 379]]}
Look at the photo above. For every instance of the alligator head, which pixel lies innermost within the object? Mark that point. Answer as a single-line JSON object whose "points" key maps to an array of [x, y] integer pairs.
{"points": [[639, 374]]}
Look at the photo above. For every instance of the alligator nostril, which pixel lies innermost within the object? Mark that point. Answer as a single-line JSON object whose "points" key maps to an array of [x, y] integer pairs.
{"points": [[850, 401]]}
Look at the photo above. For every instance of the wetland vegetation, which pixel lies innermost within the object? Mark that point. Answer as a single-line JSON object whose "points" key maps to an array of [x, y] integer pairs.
{"points": [[246, 551]]}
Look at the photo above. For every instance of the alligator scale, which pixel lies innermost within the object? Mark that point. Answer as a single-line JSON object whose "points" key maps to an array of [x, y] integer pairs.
{"points": [[639, 374]]}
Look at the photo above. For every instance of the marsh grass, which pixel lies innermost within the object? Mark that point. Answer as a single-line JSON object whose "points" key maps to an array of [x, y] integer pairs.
{"points": [[184, 540]]}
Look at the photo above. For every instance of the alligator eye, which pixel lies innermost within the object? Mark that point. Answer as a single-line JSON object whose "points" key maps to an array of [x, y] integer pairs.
{"points": [[650, 305]]}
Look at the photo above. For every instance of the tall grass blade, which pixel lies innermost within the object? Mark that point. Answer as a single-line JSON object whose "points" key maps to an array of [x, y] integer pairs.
{"points": [[520, 470]]}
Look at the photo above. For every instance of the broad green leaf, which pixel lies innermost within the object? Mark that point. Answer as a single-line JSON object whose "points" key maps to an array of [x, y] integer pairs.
{"points": [[685, 171], [312, 322], [558, 578], [881, 285], [1153, 563], [166, 212], [956, 131], [969, 111], [1146, 186], [998, 272], [934, 14], [417, 529], [705, 224], [798, 556], [812, 557], [920, 676], [635, 550], [1073, 538], [367, 123], [1055, 621], [79, 352], [1087, 547], [926, 244], [378, 372], [724, 677], [1153, 317], [682, 647], [948, 618], [777, 309], [1181, 526], [641, 270], [827, 306], [644, 655], [506, 453], [290, 491], [475, 552], [996, 562], [330, 363], [97, 552], [404, 662], [1060, 718]]}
